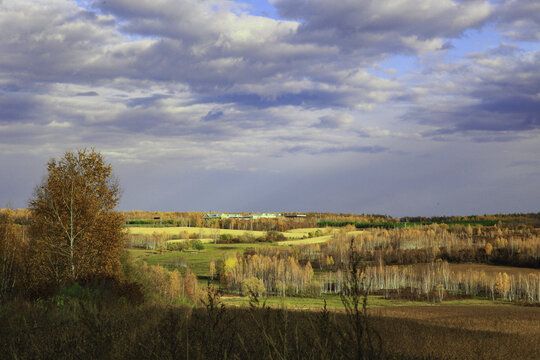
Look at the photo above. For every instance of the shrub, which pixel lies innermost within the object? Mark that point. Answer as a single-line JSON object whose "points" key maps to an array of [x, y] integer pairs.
{"points": [[177, 246], [247, 238], [291, 290], [312, 289], [253, 285], [196, 244], [272, 236], [225, 239]]}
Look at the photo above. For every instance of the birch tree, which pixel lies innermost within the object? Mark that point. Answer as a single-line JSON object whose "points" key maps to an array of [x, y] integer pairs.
{"points": [[74, 223]]}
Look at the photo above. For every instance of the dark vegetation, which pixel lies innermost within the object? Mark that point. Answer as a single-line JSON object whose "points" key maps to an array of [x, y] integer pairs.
{"points": [[270, 237], [112, 331]]}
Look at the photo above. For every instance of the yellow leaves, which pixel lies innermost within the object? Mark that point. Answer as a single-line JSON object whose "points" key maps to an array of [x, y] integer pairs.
{"points": [[502, 284], [174, 284], [488, 248], [501, 242], [230, 264], [308, 272], [212, 269], [253, 285], [329, 260], [468, 230], [73, 218]]}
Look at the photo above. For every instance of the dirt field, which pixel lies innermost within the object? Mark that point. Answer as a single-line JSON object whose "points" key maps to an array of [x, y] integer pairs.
{"points": [[508, 319], [460, 332]]}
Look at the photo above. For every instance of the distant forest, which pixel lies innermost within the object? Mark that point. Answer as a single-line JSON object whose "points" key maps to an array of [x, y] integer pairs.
{"points": [[360, 221]]}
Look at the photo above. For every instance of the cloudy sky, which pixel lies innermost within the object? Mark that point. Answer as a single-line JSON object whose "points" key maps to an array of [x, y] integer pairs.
{"points": [[402, 107]]}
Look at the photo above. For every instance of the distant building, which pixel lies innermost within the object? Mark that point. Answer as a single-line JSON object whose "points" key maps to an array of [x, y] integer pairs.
{"points": [[264, 216], [222, 216]]}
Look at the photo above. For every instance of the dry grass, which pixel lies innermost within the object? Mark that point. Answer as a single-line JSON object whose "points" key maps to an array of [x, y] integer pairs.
{"points": [[315, 240], [493, 269]]}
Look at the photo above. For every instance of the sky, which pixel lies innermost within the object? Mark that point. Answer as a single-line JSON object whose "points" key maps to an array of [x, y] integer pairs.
{"points": [[403, 107]]}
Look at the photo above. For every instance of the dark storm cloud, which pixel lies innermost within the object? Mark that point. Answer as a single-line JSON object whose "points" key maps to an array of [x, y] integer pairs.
{"points": [[146, 101], [336, 149], [87, 93], [519, 19], [334, 121], [213, 115], [307, 99], [49, 42], [20, 108], [224, 74], [496, 94], [355, 148], [383, 26]]}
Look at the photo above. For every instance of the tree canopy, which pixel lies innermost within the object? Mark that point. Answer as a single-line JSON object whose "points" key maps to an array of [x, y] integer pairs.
{"points": [[77, 235]]}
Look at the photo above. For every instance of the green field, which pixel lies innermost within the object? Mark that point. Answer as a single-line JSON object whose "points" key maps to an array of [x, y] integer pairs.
{"points": [[197, 261], [209, 233]]}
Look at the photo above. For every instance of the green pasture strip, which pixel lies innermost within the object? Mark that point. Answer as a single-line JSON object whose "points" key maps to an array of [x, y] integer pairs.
{"points": [[393, 225], [204, 241], [145, 222]]}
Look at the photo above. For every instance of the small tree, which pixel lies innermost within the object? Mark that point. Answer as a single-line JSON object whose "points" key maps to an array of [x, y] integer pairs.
{"points": [[12, 255], [212, 269], [354, 295], [76, 233]]}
